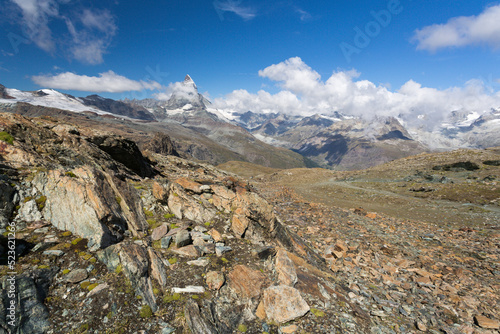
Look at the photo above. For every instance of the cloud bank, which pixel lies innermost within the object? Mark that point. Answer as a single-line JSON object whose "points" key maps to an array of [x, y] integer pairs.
{"points": [[89, 31], [108, 82], [462, 31], [304, 93]]}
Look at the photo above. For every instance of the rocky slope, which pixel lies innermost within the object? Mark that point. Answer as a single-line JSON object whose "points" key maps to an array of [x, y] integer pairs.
{"points": [[110, 239]]}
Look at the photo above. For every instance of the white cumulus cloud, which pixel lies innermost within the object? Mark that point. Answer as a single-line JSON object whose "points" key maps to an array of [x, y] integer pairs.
{"points": [[108, 82], [462, 31], [305, 93]]}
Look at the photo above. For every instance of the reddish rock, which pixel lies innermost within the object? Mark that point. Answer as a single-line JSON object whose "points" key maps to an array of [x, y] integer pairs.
{"points": [[216, 235], [283, 303], [285, 268], [239, 224], [160, 191], [245, 281], [189, 251], [189, 185], [487, 323]]}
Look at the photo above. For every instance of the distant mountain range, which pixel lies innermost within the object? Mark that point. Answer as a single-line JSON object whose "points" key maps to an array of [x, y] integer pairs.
{"points": [[335, 141]]}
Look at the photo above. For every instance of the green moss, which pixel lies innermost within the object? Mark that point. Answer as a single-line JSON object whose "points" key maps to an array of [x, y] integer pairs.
{"points": [[151, 222], [195, 297], [85, 256], [27, 199], [156, 291], [242, 328], [92, 286], [118, 200], [76, 241], [70, 174], [171, 298], [223, 259], [168, 215], [6, 137], [173, 225], [93, 260], [118, 269], [172, 260], [40, 201], [145, 312], [85, 285], [207, 224], [317, 312], [65, 271], [139, 297], [157, 244], [43, 266], [66, 234], [148, 213]]}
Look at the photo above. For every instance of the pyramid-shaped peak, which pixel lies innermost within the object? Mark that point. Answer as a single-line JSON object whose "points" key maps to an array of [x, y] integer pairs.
{"points": [[188, 79]]}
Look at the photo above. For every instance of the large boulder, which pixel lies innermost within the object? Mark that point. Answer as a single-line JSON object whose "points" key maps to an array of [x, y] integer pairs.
{"points": [[283, 303], [90, 203]]}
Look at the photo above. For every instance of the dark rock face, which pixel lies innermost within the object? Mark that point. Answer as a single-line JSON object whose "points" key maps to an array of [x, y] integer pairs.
{"points": [[3, 93], [6, 202], [118, 107], [31, 315], [161, 144], [124, 151]]}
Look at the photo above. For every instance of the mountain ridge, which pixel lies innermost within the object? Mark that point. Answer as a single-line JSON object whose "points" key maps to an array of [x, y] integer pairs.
{"points": [[334, 141]]}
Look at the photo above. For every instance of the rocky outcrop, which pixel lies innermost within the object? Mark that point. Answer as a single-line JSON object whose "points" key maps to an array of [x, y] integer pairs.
{"points": [[124, 151], [161, 144], [135, 262], [3, 93], [91, 204]]}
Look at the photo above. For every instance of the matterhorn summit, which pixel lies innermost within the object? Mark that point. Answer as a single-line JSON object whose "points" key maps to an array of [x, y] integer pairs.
{"points": [[185, 96], [189, 81]]}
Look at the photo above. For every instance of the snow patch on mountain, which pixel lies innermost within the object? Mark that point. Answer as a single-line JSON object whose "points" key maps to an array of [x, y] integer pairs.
{"points": [[49, 98]]}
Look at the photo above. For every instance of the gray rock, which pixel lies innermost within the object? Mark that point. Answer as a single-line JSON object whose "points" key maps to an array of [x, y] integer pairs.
{"points": [[54, 252], [195, 321], [183, 238], [31, 315], [165, 242], [135, 263], [220, 250], [76, 276], [29, 212]]}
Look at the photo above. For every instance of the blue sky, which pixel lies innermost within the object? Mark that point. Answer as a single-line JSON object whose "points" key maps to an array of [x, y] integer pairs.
{"points": [[137, 49]]}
